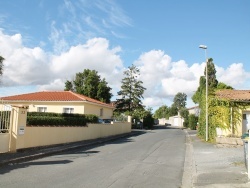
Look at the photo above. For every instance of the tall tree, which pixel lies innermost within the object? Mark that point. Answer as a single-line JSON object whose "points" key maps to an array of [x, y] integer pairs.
{"points": [[180, 100], [131, 91], [200, 98], [1, 65], [89, 83]]}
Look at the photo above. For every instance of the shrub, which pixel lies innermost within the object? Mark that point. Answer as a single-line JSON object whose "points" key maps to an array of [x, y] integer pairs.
{"points": [[148, 121], [57, 119], [192, 121]]}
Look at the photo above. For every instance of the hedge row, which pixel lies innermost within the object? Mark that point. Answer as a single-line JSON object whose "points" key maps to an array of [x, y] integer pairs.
{"points": [[57, 119], [53, 114]]}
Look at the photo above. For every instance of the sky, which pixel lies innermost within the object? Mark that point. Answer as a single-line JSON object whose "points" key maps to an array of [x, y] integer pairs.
{"points": [[46, 42]]}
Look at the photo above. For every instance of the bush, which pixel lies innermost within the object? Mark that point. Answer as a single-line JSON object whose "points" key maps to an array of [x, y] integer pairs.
{"points": [[57, 119], [148, 121], [185, 124], [192, 121]]}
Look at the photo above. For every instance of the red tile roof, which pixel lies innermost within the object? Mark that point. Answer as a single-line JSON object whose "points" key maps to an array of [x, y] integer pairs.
{"points": [[234, 95], [53, 96]]}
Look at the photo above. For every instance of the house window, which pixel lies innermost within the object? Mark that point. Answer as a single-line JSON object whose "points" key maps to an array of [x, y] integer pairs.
{"points": [[101, 112], [68, 110], [244, 116], [42, 109]]}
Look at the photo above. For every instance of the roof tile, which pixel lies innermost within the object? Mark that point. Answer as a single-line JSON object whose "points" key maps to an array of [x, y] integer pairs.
{"points": [[234, 95], [52, 96]]}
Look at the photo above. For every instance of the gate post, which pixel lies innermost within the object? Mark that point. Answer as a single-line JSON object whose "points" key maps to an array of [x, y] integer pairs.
{"points": [[17, 129]]}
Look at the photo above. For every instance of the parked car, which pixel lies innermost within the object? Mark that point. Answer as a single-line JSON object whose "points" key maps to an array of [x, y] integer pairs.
{"points": [[104, 120]]}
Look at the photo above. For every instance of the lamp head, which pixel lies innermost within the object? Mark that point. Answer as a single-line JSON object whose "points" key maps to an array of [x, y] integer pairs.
{"points": [[203, 46]]}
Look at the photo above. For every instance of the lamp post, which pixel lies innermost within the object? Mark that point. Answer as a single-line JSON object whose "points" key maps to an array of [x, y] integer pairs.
{"points": [[205, 48]]}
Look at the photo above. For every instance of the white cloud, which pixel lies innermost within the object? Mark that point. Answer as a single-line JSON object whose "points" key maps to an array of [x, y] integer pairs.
{"points": [[33, 66], [163, 78], [22, 65], [234, 75], [94, 55]]}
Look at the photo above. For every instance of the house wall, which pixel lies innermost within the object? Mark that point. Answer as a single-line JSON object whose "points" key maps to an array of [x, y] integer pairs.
{"points": [[175, 121], [79, 107], [94, 109], [239, 129]]}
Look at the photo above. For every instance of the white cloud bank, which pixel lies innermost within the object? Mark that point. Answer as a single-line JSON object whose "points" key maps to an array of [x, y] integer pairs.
{"points": [[163, 78]]}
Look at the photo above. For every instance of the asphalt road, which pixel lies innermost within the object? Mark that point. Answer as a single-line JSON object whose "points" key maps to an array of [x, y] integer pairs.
{"points": [[150, 160]]}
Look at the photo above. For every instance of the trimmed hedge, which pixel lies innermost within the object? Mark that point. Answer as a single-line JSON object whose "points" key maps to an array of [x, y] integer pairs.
{"points": [[57, 119], [52, 114]]}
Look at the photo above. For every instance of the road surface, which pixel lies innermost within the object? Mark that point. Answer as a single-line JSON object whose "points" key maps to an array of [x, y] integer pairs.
{"points": [[149, 160]]}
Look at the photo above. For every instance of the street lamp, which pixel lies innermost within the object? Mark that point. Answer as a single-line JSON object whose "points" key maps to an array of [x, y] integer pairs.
{"points": [[205, 48]]}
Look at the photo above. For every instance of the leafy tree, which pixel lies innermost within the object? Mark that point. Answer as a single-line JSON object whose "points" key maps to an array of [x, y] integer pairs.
{"points": [[162, 112], [89, 83], [145, 115], [69, 86], [180, 100], [173, 110], [1, 65], [222, 85], [131, 91]]}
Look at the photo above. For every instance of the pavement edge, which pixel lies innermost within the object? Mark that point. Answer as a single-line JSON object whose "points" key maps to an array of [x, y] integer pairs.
{"points": [[189, 172]]}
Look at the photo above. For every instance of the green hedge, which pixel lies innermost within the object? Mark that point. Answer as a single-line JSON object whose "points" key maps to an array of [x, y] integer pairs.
{"points": [[57, 119], [52, 114], [192, 121]]}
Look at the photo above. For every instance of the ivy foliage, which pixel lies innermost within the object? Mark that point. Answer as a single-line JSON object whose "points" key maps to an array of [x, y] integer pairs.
{"points": [[219, 111]]}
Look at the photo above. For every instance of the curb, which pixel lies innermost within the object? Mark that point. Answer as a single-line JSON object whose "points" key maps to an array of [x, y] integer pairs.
{"points": [[189, 172]]}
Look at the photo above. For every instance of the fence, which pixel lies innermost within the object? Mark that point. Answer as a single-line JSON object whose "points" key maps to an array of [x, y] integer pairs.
{"points": [[5, 113]]}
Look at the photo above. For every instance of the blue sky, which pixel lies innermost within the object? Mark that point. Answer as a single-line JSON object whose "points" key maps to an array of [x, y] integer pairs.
{"points": [[47, 42]]}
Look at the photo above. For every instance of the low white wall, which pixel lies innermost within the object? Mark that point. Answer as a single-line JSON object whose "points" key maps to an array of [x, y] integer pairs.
{"points": [[4, 142], [43, 136]]}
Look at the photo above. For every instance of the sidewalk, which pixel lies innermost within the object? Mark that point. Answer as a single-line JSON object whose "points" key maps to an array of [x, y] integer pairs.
{"points": [[212, 165]]}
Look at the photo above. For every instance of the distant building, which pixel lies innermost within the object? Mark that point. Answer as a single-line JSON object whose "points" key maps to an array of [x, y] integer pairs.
{"points": [[194, 110]]}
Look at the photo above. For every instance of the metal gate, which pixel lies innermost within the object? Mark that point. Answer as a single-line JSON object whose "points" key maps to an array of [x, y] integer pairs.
{"points": [[5, 120]]}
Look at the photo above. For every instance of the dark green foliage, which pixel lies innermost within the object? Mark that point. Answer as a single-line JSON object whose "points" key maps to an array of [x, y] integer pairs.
{"points": [[179, 103], [58, 119], [1, 65], [69, 86], [180, 100], [89, 83], [162, 112], [148, 121], [173, 110], [53, 114], [192, 121], [184, 114], [222, 85], [212, 81], [131, 91], [144, 117]]}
